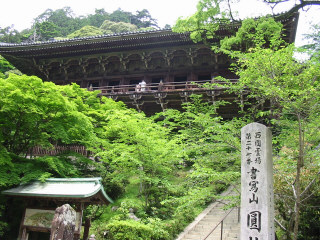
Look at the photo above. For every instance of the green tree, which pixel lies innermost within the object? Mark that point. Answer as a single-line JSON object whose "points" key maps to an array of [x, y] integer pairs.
{"points": [[263, 32], [143, 19], [36, 113], [211, 145], [292, 88], [211, 15], [4, 66], [63, 19], [10, 35], [294, 7], [137, 147], [271, 75], [120, 16], [313, 47], [117, 27], [86, 31], [205, 22], [98, 18], [46, 30]]}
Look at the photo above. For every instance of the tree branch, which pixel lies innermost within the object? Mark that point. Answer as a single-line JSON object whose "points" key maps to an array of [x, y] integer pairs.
{"points": [[280, 225], [302, 4], [309, 185]]}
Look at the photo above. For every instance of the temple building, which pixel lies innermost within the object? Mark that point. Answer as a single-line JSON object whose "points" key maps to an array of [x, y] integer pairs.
{"points": [[151, 71]]}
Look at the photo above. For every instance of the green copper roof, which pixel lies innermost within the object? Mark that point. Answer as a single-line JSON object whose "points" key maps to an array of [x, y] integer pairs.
{"points": [[79, 188]]}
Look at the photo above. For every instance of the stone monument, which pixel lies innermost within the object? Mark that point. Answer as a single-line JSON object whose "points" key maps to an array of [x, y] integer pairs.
{"points": [[257, 204], [63, 223]]}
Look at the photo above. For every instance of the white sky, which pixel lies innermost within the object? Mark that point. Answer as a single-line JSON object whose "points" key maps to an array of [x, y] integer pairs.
{"points": [[21, 13]]}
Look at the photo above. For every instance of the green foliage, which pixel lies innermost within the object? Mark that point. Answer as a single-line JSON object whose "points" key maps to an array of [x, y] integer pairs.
{"points": [[4, 66], [211, 145], [285, 172], [262, 32], [3, 225], [33, 113], [22, 170], [313, 47], [10, 35], [62, 23], [130, 150], [46, 30], [132, 230], [277, 76], [97, 18], [138, 147], [117, 27], [273, 77], [203, 24], [143, 19], [86, 31], [62, 20], [120, 16]]}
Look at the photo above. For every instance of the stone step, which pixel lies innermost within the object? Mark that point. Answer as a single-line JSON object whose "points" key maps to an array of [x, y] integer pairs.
{"points": [[209, 219]]}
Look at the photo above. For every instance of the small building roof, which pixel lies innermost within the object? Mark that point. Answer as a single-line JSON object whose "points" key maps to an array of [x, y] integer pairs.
{"points": [[76, 189]]}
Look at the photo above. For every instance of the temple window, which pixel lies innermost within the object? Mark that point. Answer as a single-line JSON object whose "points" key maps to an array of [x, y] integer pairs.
{"points": [[204, 77], [114, 83]]}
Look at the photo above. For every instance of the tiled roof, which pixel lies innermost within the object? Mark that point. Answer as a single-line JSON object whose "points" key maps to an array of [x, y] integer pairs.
{"points": [[75, 188]]}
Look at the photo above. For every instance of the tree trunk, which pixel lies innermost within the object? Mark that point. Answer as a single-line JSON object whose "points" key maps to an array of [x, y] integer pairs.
{"points": [[297, 187]]}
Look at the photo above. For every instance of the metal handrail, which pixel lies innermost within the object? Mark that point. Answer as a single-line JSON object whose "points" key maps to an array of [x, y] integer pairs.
{"points": [[172, 86], [221, 223]]}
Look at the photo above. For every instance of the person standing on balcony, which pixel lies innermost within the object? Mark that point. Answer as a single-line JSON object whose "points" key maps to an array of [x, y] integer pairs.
{"points": [[143, 86], [160, 87], [138, 87]]}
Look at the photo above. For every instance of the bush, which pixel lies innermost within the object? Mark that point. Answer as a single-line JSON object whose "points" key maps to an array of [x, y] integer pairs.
{"points": [[133, 230]]}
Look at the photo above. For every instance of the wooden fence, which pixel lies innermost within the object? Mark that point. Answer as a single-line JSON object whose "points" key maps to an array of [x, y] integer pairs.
{"points": [[59, 149]]}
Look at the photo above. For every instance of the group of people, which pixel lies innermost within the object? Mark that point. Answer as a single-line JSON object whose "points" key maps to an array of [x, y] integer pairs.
{"points": [[141, 87]]}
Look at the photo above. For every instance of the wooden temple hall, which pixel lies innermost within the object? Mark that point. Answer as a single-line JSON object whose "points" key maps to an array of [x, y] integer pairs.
{"points": [[150, 71]]}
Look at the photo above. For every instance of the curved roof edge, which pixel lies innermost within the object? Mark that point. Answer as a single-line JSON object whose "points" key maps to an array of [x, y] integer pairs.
{"points": [[90, 38], [70, 188], [282, 17]]}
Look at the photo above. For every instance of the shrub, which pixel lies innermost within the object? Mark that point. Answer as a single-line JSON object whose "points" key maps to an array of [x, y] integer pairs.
{"points": [[133, 230]]}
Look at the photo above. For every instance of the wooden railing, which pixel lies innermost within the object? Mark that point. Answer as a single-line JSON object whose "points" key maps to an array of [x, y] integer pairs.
{"points": [[58, 149], [159, 87]]}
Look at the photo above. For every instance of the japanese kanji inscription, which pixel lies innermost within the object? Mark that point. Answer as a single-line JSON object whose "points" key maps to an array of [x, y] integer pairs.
{"points": [[257, 207]]}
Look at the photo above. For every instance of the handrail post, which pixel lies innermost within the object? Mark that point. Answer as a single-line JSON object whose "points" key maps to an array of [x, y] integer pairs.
{"points": [[221, 229]]}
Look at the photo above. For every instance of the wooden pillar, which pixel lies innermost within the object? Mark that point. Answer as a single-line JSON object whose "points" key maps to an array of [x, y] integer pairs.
{"points": [[87, 225], [24, 234], [22, 230]]}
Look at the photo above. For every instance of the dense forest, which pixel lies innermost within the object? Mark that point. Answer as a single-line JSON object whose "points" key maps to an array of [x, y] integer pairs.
{"points": [[169, 166], [62, 23]]}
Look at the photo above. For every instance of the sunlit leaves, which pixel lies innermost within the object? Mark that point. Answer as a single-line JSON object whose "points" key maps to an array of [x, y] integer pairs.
{"points": [[203, 24]]}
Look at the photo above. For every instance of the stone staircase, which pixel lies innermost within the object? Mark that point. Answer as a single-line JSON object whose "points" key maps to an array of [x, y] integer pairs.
{"points": [[211, 218]]}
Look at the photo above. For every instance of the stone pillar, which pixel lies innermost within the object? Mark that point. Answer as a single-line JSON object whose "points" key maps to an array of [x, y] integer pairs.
{"points": [[63, 223], [257, 204]]}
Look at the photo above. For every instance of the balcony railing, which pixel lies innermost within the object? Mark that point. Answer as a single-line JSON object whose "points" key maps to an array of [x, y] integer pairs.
{"points": [[159, 87]]}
